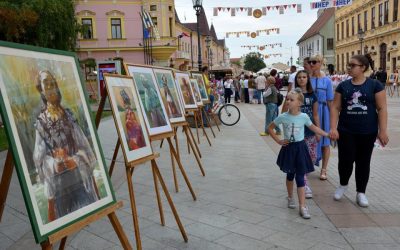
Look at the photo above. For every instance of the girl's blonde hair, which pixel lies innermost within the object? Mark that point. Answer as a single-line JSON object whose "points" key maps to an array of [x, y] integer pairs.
{"points": [[299, 93], [271, 80]]}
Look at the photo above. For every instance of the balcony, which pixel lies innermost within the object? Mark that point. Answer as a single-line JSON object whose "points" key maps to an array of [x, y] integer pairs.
{"points": [[182, 55]]}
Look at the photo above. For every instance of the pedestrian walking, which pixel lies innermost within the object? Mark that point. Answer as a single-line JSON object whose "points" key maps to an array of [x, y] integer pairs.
{"points": [[270, 99], [309, 107], [294, 158], [261, 82], [228, 85], [246, 89], [358, 118], [323, 89], [236, 84]]}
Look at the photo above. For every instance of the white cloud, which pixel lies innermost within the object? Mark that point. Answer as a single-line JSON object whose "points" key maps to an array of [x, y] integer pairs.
{"points": [[292, 25]]}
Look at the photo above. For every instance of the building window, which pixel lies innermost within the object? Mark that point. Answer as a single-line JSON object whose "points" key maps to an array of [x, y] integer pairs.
{"points": [[352, 26], [358, 22], [373, 18], [116, 31], [352, 53], [342, 26], [318, 45], [337, 62], [154, 20], [347, 28], [365, 20], [153, 7], [337, 32], [386, 13], [171, 25], [380, 17], [347, 57], [343, 66], [87, 28], [395, 10], [170, 8], [329, 44]]}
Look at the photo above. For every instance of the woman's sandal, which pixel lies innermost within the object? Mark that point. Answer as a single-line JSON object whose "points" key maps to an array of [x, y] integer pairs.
{"points": [[322, 175]]}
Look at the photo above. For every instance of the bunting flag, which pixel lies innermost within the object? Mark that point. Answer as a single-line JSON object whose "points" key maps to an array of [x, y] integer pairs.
{"points": [[274, 55], [280, 8], [252, 34], [262, 47]]}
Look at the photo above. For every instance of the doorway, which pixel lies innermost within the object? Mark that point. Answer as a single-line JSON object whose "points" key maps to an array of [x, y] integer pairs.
{"points": [[382, 56]]}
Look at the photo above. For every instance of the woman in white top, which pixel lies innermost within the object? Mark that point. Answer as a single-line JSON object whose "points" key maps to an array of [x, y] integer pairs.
{"points": [[228, 85]]}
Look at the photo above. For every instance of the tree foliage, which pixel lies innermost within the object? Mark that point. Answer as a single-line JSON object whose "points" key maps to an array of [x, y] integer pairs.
{"points": [[45, 23], [254, 62]]}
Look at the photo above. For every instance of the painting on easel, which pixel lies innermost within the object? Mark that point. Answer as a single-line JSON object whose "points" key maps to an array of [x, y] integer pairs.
{"points": [[196, 92], [202, 86], [128, 117], [56, 151], [169, 94], [150, 99], [186, 91]]}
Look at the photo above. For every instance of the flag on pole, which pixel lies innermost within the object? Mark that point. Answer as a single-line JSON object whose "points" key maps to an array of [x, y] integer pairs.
{"points": [[149, 25]]}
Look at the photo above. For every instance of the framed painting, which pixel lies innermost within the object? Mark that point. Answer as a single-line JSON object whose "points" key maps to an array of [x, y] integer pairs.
{"points": [[155, 115], [202, 86], [196, 92], [169, 94], [128, 117], [185, 88], [56, 150]]}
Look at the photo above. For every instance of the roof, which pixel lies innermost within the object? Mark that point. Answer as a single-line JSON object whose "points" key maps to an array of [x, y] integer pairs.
{"points": [[235, 59], [318, 24], [203, 24]]}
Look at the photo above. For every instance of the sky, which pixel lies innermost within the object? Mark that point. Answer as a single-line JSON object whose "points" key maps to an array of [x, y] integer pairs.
{"points": [[292, 25]]}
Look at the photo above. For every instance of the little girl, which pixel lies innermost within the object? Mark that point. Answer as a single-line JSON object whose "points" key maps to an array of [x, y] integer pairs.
{"points": [[294, 158], [310, 107]]}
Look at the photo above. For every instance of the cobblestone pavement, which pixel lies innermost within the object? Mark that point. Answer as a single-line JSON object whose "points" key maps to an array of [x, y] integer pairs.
{"points": [[241, 202]]}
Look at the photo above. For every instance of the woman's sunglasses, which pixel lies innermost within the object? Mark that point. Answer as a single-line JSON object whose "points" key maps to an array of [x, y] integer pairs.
{"points": [[353, 65], [313, 62]]}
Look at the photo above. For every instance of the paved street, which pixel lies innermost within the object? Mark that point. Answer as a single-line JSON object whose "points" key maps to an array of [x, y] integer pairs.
{"points": [[241, 202]]}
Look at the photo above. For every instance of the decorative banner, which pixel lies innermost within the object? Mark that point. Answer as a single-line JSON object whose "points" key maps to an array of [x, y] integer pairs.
{"points": [[262, 11], [262, 47], [274, 55], [330, 3], [252, 34]]}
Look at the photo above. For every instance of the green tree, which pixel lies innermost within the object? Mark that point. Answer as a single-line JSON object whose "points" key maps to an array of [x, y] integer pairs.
{"points": [[254, 62], [45, 23]]}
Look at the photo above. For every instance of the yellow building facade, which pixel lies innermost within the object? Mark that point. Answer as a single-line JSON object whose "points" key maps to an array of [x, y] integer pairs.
{"points": [[368, 27]]}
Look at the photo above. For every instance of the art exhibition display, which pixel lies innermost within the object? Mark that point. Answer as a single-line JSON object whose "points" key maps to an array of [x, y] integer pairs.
{"points": [[202, 86], [128, 117], [169, 94], [150, 99], [196, 92], [54, 144], [185, 89]]}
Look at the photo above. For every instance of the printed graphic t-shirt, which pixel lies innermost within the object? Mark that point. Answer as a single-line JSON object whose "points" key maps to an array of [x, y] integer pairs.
{"points": [[293, 125], [307, 107], [358, 114]]}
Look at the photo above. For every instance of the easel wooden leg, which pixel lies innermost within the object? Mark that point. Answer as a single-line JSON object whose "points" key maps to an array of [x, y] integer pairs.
{"points": [[203, 111], [171, 203], [129, 175], [197, 127], [159, 202], [194, 151], [172, 149], [202, 127], [173, 165], [62, 243], [114, 158], [212, 115], [120, 232], [162, 141], [5, 181], [46, 245], [194, 141]]}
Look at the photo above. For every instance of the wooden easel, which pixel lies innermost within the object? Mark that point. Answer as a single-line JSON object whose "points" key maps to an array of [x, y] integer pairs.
{"points": [[185, 128], [197, 115], [210, 115], [75, 227], [129, 168]]}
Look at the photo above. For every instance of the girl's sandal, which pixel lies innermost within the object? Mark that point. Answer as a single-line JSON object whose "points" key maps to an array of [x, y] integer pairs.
{"points": [[322, 175]]}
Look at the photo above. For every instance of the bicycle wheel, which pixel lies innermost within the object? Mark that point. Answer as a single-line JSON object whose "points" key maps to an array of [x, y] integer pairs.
{"points": [[229, 114]]}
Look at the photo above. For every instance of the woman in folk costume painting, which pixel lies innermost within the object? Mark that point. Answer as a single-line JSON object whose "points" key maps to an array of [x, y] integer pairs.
{"points": [[62, 155], [170, 104], [134, 131]]}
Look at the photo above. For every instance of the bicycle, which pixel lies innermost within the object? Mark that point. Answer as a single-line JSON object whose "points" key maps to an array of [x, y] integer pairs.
{"points": [[228, 113]]}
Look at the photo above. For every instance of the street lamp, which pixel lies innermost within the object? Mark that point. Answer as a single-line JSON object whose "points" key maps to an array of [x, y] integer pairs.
{"points": [[208, 45], [361, 35], [197, 6], [211, 59]]}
